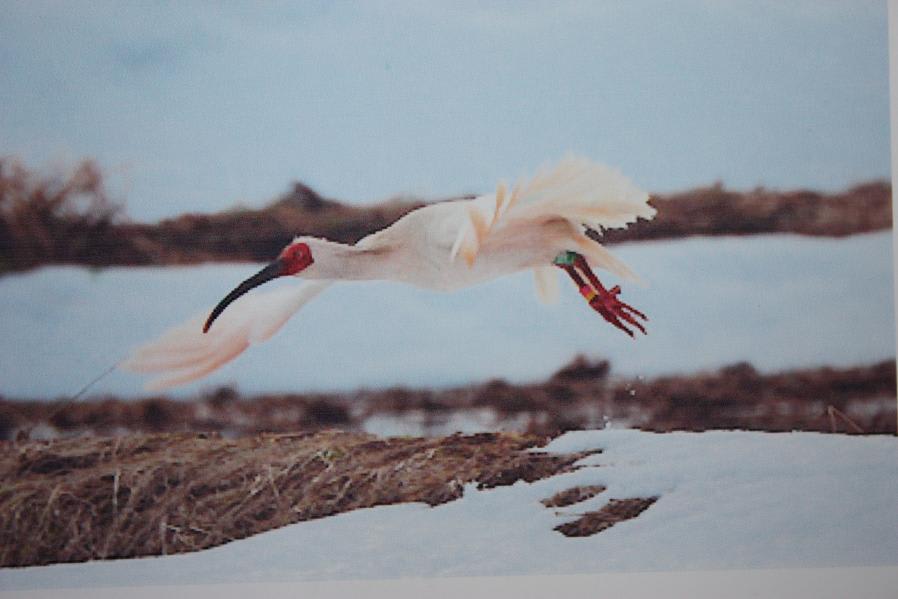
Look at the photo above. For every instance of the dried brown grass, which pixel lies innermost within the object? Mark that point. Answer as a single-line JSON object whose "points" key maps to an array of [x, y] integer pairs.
{"points": [[56, 217], [100, 498]]}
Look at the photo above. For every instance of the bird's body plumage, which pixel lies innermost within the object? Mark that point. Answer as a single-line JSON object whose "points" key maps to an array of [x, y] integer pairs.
{"points": [[444, 247]]}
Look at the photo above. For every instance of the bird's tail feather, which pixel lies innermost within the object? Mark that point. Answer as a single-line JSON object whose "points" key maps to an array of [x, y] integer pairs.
{"points": [[582, 192], [546, 280], [184, 353]]}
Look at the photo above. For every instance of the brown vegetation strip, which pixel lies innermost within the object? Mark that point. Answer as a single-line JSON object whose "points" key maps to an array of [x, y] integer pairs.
{"points": [[581, 395], [717, 211], [70, 219], [94, 498], [616, 510]]}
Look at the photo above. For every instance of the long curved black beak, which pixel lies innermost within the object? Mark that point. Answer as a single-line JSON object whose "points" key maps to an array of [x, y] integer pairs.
{"points": [[272, 271]]}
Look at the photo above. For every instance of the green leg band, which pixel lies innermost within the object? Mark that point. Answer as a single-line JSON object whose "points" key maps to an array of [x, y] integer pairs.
{"points": [[566, 258]]}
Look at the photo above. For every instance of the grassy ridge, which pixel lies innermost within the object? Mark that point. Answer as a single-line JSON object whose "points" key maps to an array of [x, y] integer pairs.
{"points": [[70, 219]]}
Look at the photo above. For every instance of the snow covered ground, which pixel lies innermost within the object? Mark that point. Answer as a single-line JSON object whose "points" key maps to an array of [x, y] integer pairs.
{"points": [[778, 301], [727, 500]]}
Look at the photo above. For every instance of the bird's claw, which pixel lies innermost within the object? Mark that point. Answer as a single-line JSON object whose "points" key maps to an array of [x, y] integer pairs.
{"points": [[604, 301], [615, 311]]}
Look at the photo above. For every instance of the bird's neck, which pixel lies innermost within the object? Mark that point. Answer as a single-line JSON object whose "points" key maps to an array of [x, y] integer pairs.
{"points": [[338, 261]]}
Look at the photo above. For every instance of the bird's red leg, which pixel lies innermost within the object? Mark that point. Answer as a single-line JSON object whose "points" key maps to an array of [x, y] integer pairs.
{"points": [[603, 301], [626, 309]]}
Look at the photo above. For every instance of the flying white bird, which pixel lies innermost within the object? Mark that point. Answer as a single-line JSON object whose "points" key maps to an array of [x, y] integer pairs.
{"points": [[548, 222]]}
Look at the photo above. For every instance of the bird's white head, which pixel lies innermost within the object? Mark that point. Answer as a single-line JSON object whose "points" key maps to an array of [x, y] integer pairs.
{"points": [[292, 260]]}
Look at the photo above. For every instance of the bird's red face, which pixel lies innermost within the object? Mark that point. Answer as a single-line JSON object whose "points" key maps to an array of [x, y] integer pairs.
{"points": [[293, 259]]}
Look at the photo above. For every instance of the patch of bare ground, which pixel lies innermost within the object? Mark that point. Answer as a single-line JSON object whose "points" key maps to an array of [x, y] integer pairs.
{"points": [[573, 495], [101, 498], [613, 512]]}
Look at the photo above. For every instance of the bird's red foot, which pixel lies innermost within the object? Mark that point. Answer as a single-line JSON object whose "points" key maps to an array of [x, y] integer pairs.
{"points": [[604, 301], [613, 310]]}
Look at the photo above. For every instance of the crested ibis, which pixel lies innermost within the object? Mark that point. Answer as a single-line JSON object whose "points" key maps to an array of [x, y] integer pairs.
{"points": [[545, 223]]}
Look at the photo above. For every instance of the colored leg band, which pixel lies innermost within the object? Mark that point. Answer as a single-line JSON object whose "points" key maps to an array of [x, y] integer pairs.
{"points": [[565, 259], [588, 292]]}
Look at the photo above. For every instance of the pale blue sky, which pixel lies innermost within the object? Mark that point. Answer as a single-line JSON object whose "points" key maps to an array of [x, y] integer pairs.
{"points": [[198, 107]]}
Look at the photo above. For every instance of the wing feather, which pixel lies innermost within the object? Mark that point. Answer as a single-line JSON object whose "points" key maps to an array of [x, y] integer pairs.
{"points": [[184, 353]]}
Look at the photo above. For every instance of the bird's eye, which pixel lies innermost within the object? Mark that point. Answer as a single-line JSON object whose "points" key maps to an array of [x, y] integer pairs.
{"points": [[294, 252]]}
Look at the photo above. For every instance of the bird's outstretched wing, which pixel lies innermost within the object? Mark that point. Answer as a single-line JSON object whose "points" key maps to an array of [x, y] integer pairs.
{"points": [[588, 195], [184, 353]]}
